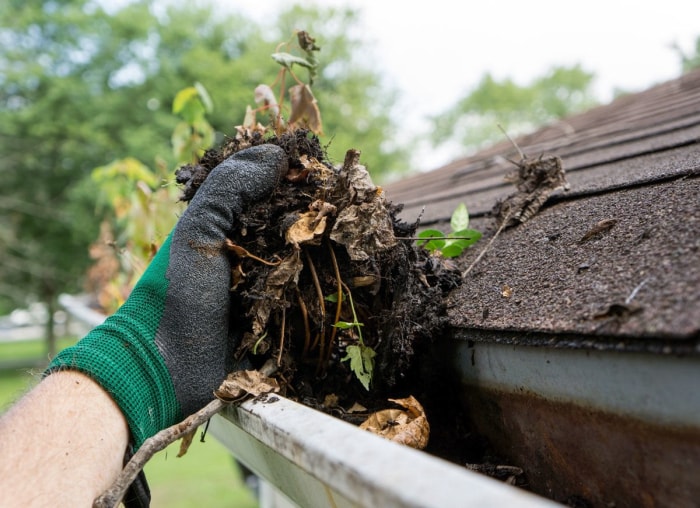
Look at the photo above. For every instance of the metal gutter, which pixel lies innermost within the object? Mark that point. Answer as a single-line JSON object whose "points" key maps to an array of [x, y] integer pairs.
{"points": [[314, 460], [318, 461], [654, 388], [606, 427]]}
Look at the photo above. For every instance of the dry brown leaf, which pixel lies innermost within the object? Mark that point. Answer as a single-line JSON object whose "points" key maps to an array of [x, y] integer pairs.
{"points": [[356, 408], [281, 277], [305, 109], [365, 227], [185, 443], [409, 427], [310, 225], [330, 400], [244, 383], [307, 229]]}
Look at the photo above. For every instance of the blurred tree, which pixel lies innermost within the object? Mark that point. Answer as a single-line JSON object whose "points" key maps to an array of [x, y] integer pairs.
{"points": [[81, 86], [689, 61], [475, 118]]}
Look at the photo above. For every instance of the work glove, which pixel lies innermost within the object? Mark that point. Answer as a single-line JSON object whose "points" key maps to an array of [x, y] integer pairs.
{"points": [[161, 355]]}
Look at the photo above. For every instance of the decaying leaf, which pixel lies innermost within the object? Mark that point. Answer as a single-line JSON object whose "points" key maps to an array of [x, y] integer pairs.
{"points": [[305, 110], [409, 427], [310, 225], [185, 443], [356, 408], [364, 227], [307, 229], [536, 180], [278, 280], [245, 383], [265, 95]]}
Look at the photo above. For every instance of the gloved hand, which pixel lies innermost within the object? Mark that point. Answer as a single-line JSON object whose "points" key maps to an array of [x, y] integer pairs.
{"points": [[161, 355]]}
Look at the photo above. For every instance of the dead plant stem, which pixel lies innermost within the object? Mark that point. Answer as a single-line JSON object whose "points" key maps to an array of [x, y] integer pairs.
{"points": [[488, 246]]}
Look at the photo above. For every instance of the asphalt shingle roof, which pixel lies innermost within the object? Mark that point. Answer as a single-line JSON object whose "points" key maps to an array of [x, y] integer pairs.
{"points": [[633, 166]]}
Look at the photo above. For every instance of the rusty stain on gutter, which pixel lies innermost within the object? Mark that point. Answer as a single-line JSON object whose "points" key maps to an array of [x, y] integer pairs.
{"points": [[602, 428]]}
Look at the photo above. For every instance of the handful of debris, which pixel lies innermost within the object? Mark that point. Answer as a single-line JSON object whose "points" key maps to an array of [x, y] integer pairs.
{"points": [[331, 284]]}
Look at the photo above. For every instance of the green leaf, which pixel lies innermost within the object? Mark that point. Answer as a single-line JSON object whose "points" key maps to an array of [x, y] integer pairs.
{"points": [[452, 251], [465, 237], [287, 60], [333, 297], [361, 362], [183, 97], [460, 218], [431, 245], [344, 325], [204, 97]]}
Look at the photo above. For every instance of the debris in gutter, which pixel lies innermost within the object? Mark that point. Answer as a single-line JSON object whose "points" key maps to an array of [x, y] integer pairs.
{"points": [[329, 292], [408, 426], [511, 475]]}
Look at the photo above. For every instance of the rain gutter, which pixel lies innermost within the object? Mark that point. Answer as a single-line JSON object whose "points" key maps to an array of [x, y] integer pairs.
{"points": [[614, 428], [310, 459], [317, 460]]}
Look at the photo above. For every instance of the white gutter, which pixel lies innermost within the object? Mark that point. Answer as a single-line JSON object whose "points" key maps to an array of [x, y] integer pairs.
{"points": [[319, 461]]}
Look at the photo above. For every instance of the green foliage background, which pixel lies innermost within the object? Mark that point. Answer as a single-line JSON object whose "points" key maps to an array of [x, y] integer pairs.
{"points": [[81, 87]]}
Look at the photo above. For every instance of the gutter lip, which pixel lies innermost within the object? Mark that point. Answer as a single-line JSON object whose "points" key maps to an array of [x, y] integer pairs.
{"points": [[354, 465], [680, 345]]}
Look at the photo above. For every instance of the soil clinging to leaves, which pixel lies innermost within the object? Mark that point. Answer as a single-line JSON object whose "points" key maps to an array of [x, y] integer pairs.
{"points": [[328, 232]]}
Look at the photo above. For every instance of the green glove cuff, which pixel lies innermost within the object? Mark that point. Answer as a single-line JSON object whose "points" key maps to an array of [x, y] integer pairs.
{"points": [[121, 355]]}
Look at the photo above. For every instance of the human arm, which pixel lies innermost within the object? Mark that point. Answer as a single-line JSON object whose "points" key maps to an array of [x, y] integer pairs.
{"points": [[62, 444]]}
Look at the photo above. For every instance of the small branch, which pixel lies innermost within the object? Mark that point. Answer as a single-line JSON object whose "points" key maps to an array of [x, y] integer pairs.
{"points": [[284, 323], [241, 252], [320, 337], [488, 246], [428, 238], [339, 304], [113, 496], [305, 318]]}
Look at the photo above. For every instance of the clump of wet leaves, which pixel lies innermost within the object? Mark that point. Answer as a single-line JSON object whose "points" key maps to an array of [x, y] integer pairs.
{"points": [[329, 288]]}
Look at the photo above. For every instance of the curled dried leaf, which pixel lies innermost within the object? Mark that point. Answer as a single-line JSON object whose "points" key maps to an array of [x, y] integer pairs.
{"points": [[305, 110], [242, 384], [307, 229], [409, 426]]}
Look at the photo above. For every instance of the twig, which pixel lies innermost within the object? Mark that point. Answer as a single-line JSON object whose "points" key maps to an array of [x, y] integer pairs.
{"points": [[339, 304], [488, 246], [113, 496], [305, 318], [322, 304], [243, 253], [636, 290], [284, 322], [520, 152]]}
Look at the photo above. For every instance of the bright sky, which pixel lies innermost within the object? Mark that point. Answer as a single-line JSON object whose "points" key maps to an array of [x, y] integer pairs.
{"points": [[435, 51]]}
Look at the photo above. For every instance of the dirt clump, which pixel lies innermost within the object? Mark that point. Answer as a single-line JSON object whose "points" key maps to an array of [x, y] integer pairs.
{"points": [[333, 288]]}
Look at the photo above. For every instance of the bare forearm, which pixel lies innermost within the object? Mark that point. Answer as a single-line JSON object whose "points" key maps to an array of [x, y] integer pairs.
{"points": [[62, 444]]}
